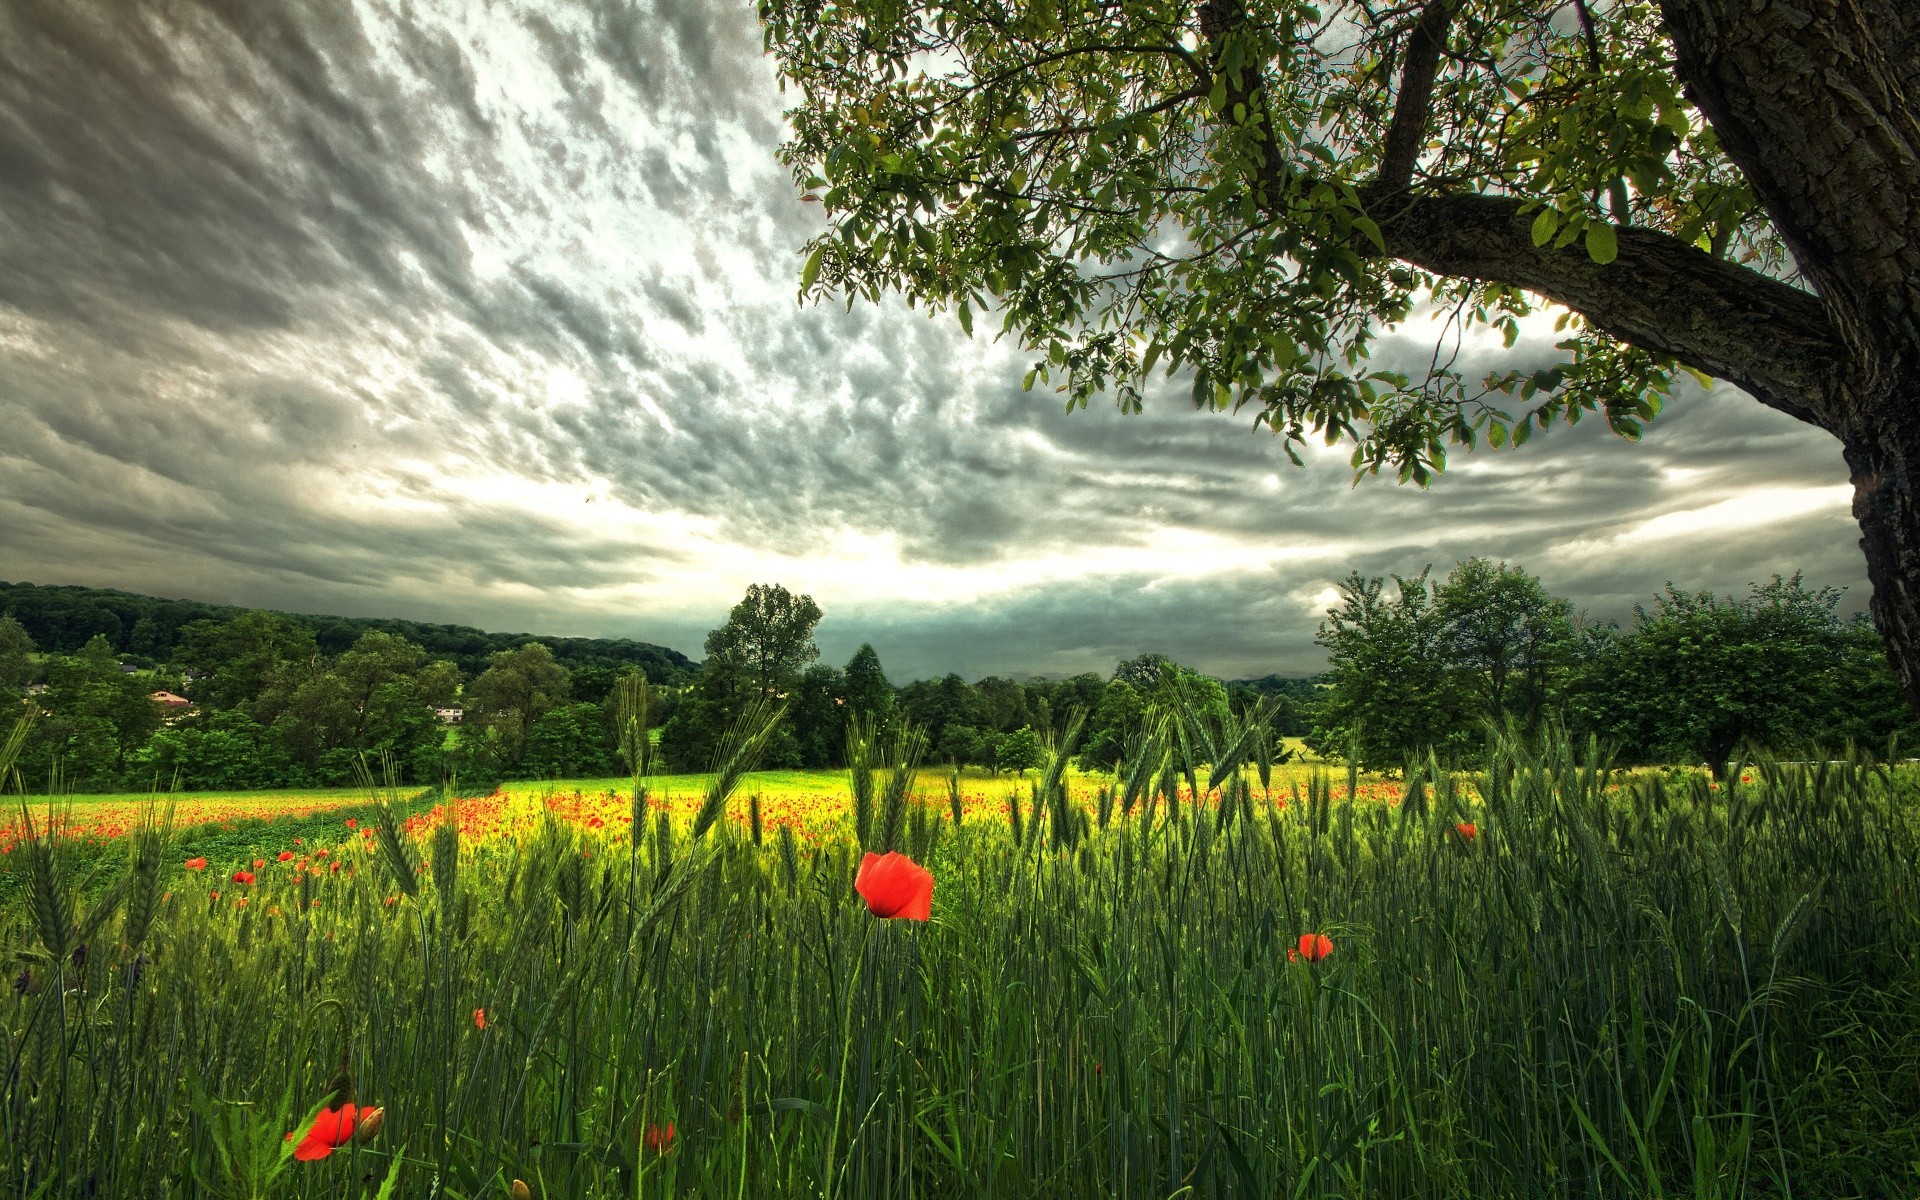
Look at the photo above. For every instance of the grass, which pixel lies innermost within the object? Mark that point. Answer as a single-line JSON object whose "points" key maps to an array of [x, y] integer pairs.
{"points": [[1614, 988]]}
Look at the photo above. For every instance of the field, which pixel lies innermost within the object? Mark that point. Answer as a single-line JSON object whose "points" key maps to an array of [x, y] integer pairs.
{"points": [[1547, 980]]}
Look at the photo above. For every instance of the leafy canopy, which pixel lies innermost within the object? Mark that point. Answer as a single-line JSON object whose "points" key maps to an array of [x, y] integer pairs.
{"points": [[1137, 185]]}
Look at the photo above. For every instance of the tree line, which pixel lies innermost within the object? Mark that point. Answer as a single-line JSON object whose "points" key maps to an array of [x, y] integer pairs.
{"points": [[1692, 677], [146, 631], [277, 700], [1426, 664]]}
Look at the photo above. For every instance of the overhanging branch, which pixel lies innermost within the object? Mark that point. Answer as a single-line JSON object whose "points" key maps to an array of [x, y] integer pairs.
{"points": [[1659, 294], [1407, 132]]}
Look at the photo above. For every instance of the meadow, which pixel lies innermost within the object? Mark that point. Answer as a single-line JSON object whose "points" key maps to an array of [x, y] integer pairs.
{"points": [[1541, 978]]}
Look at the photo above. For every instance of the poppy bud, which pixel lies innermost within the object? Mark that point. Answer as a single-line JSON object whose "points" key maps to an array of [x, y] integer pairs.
{"points": [[371, 1119], [520, 1190], [893, 885]]}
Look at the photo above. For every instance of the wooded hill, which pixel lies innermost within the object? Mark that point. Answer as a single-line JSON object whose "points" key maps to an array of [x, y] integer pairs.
{"points": [[146, 630]]}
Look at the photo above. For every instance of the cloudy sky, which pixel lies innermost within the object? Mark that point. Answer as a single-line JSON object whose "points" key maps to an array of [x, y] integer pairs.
{"points": [[485, 312]]}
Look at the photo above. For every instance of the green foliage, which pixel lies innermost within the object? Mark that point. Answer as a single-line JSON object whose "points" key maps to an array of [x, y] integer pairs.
{"points": [[1141, 185], [868, 691], [1504, 634], [518, 687], [1020, 751], [757, 656], [572, 741], [1391, 690], [62, 618], [16, 665], [817, 713], [767, 639], [1697, 676]]}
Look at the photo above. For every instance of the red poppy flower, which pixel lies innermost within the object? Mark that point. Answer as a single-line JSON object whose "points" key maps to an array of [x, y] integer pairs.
{"points": [[1467, 830], [258, 863], [243, 876], [479, 1018], [196, 864], [286, 856], [894, 885], [353, 823], [332, 1129], [659, 1138], [1315, 946]]}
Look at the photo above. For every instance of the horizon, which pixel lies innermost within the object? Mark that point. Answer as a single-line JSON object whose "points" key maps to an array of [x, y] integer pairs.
{"points": [[490, 317]]}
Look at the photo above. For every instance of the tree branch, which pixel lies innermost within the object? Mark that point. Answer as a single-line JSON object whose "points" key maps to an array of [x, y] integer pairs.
{"points": [[1810, 107], [1407, 132], [1659, 294]]}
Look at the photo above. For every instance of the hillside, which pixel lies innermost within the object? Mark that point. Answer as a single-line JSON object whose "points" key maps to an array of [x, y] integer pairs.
{"points": [[62, 618]]}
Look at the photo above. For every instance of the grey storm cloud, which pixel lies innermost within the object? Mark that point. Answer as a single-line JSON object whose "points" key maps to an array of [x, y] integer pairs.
{"points": [[486, 313]]}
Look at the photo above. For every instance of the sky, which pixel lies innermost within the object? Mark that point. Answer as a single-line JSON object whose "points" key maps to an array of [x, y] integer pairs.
{"points": [[486, 313]]}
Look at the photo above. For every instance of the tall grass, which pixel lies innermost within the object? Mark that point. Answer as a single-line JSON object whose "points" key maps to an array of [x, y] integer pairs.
{"points": [[1612, 988]]}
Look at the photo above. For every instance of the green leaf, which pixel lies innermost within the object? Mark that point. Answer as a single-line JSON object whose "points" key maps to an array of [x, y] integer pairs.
{"points": [[1365, 225], [1603, 244], [966, 318], [811, 271], [1544, 225]]}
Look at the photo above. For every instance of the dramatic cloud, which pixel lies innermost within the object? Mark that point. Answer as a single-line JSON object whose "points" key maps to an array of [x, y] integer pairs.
{"points": [[486, 313]]}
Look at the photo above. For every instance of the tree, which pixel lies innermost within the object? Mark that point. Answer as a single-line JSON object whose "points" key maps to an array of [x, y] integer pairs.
{"points": [[817, 716], [1121, 711], [1020, 751], [1698, 676], [1503, 630], [768, 638], [572, 741], [16, 650], [377, 696], [868, 691], [516, 689], [1247, 191], [238, 660], [1391, 691]]}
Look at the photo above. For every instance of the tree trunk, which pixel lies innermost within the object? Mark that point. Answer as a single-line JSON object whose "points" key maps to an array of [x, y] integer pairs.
{"points": [[1884, 468], [1818, 104]]}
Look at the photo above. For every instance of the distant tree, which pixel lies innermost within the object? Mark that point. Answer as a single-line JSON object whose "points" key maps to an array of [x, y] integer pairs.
{"points": [[1503, 632], [518, 687], [1020, 751], [1697, 676], [966, 745], [937, 705], [16, 665], [379, 696], [1003, 704], [571, 741], [212, 749], [592, 685], [868, 691], [97, 716], [1392, 691], [767, 639], [1142, 673], [239, 660], [817, 713], [1121, 710]]}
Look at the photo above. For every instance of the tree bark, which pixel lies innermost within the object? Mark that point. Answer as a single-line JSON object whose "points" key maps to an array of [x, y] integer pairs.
{"points": [[1817, 105]]}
